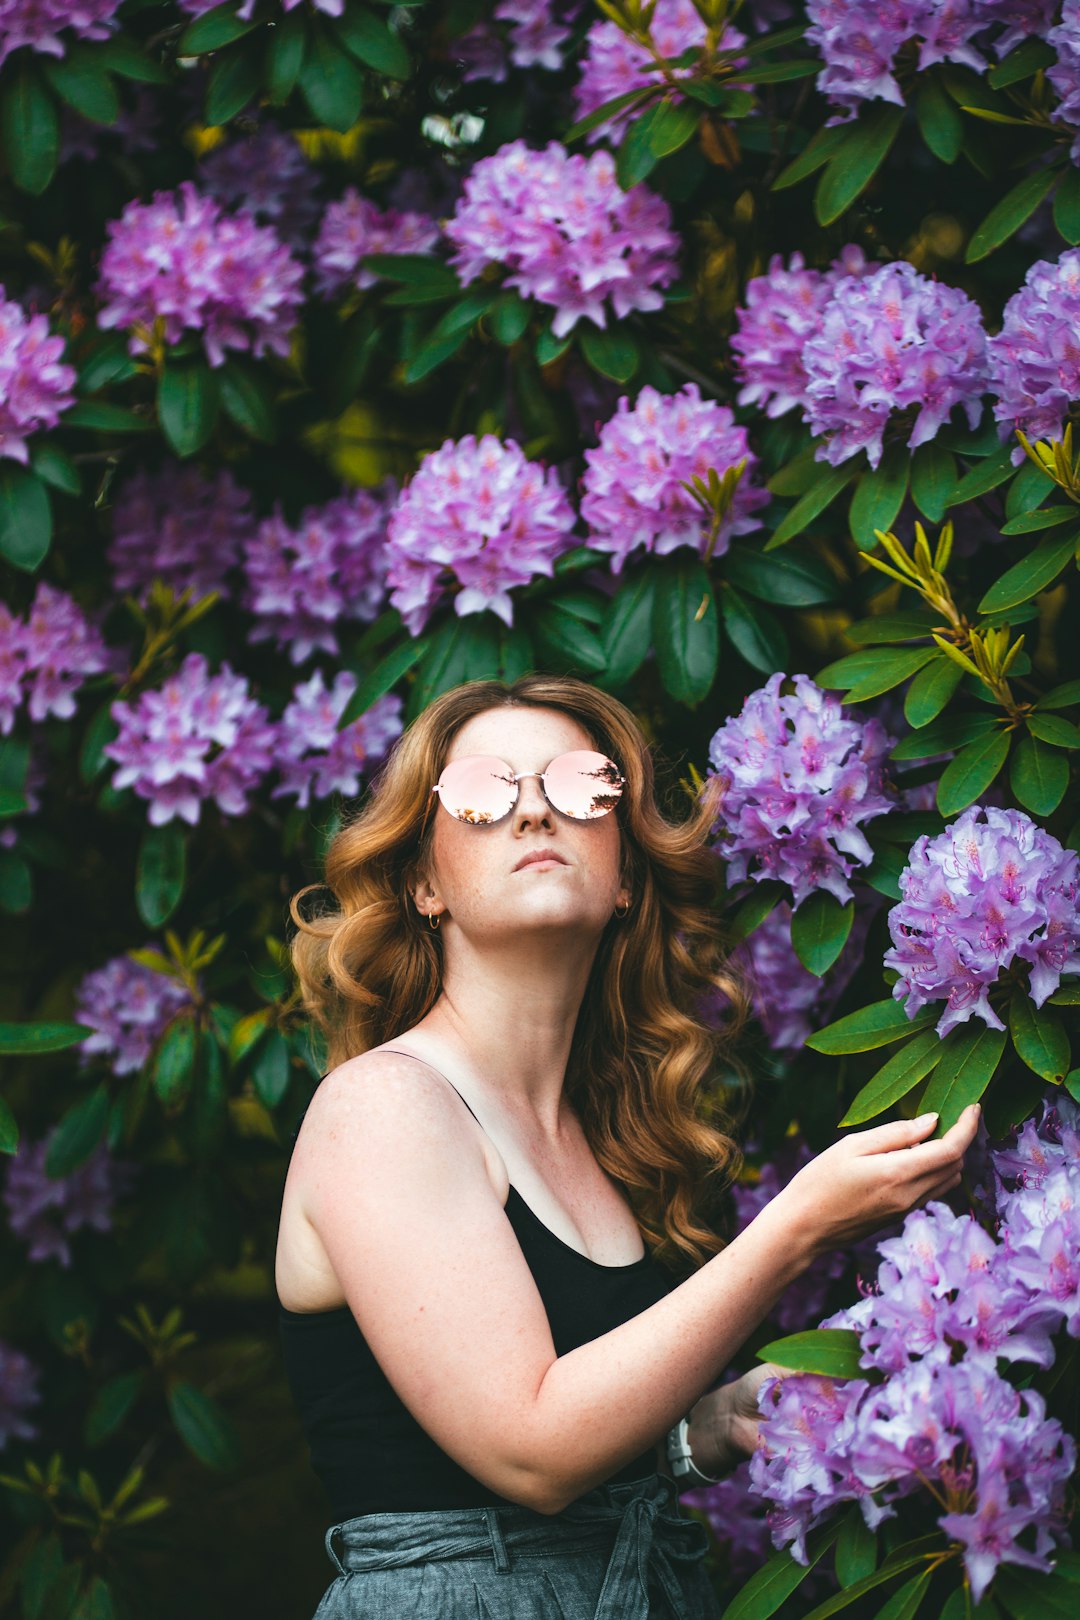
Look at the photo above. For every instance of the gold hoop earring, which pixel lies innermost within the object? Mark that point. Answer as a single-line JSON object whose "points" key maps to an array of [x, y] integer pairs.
{"points": [[622, 913], [433, 919]]}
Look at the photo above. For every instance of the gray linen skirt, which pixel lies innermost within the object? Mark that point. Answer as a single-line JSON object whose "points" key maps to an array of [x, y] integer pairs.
{"points": [[620, 1552]]}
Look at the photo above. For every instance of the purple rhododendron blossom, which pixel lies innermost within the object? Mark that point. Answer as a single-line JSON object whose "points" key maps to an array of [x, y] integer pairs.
{"points": [[476, 512], [1038, 1207], [314, 758], [1015, 20], [783, 309], [199, 737], [177, 524], [44, 1212], [36, 386], [1064, 75], [859, 39], [566, 232], [992, 890], [354, 226], [184, 261], [1035, 358], [267, 174], [45, 658], [18, 1393], [892, 341], [786, 997], [535, 35], [198, 8], [633, 491], [42, 24], [799, 777], [127, 1005], [302, 582], [615, 63]]}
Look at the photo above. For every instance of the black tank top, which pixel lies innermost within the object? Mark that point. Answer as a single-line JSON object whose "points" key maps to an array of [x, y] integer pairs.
{"points": [[370, 1453]]}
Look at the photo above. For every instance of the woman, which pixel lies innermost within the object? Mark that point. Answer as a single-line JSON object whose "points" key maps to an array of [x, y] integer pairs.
{"points": [[500, 1290]]}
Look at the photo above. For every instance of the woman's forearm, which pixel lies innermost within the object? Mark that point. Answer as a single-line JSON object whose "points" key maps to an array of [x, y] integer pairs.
{"points": [[608, 1401]]}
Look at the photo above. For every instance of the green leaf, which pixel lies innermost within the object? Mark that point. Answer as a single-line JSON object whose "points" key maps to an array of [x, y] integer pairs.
{"points": [[330, 81], [777, 72], [1029, 1596], [1067, 205], [754, 632], [54, 467], [867, 674], [968, 1063], [29, 126], [635, 159], [122, 54], [286, 44], [202, 1425], [1066, 995], [627, 633], [796, 476], [174, 1063], [81, 78], [25, 517], [993, 470], [28, 1040], [674, 124], [1048, 518], [819, 930], [434, 353], [1007, 215], [687, 645], [814, 156], [187, 400], [774, 1582], [418, 270], [906, 1603], [830, 1352], [613, 351], [752, 912], [369, 39], [563, 643], [792, 578], [107, 361], [811, 505], [878, 497], [898, 1562], [1027, 578], [95, 1601], [952, 732], [913, 625], [855, 163], [1060, 697], [248, 399], [1022, 62], [896, 1078], [884, 871], [78, 1133], [101, 417], [111, 1405], [1051, 728], [233, 82], [856, 1548], [213, 30], [9, 1129], [271, 1069], [1038, 776], [878, 1025], [971, 772], [601, 114], [549, 348], [940, 124], [933, 477], [385, 675], [1040, 1038], [509, 318], [159, 873], [931, 690], [1029, 488]]}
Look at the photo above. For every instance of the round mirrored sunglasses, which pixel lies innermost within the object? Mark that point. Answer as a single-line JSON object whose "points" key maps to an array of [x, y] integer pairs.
{"points": [[481, 789]]}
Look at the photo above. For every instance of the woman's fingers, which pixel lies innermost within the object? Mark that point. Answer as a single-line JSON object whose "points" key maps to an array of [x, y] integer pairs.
{"points": [[899, 1133]]}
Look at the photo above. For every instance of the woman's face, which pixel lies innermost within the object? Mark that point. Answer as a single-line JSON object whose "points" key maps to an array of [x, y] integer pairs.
{"points": [[473, 877]]}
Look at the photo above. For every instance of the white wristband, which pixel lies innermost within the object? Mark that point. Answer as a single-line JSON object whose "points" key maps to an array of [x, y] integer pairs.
{"points": [[681, 1458]]}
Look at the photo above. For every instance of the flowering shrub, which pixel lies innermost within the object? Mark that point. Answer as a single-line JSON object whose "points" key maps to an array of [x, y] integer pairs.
{"points": [[179, 526], [315, 757], [354, 226], [615, 62], [1033, 359], [41, 24]]}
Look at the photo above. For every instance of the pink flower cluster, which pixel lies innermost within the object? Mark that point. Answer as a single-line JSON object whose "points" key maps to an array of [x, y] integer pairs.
{"points": [[534, 35], [479, 514], [267, 174], [44, 1212], [1064, 75], [40, 24], [35, 384], [45, 658], [183, 261], [892, 341], [782, 312], [314, 758], [1035, 358], [303, 582], [180, 526], [993, 890], [354, 226], [799, 777], [615, 63], [200, 737], [127, 1006], [565, 232], [633, 491], [18, 1393]]}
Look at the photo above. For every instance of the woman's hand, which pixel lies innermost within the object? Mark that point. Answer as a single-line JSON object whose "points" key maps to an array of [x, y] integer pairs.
{"points": [[724, 1423], [871, 1178]]}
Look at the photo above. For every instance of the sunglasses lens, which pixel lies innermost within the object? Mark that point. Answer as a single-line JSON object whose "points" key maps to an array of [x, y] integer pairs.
{"points": [[477, 789], [583, 784]]}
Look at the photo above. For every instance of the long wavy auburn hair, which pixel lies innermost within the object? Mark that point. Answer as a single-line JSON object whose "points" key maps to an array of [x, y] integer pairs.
{"points": [[644, 1072]]}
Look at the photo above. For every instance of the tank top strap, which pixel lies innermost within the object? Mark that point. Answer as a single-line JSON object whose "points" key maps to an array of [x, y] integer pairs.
{"points": [[397, 1050]]}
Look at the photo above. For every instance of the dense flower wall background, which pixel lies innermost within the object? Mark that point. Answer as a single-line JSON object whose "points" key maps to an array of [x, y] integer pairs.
{"points": [[724, 355]]}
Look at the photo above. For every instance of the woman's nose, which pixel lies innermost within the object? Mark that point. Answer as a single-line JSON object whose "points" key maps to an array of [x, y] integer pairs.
{"points": [[531, 807]]}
